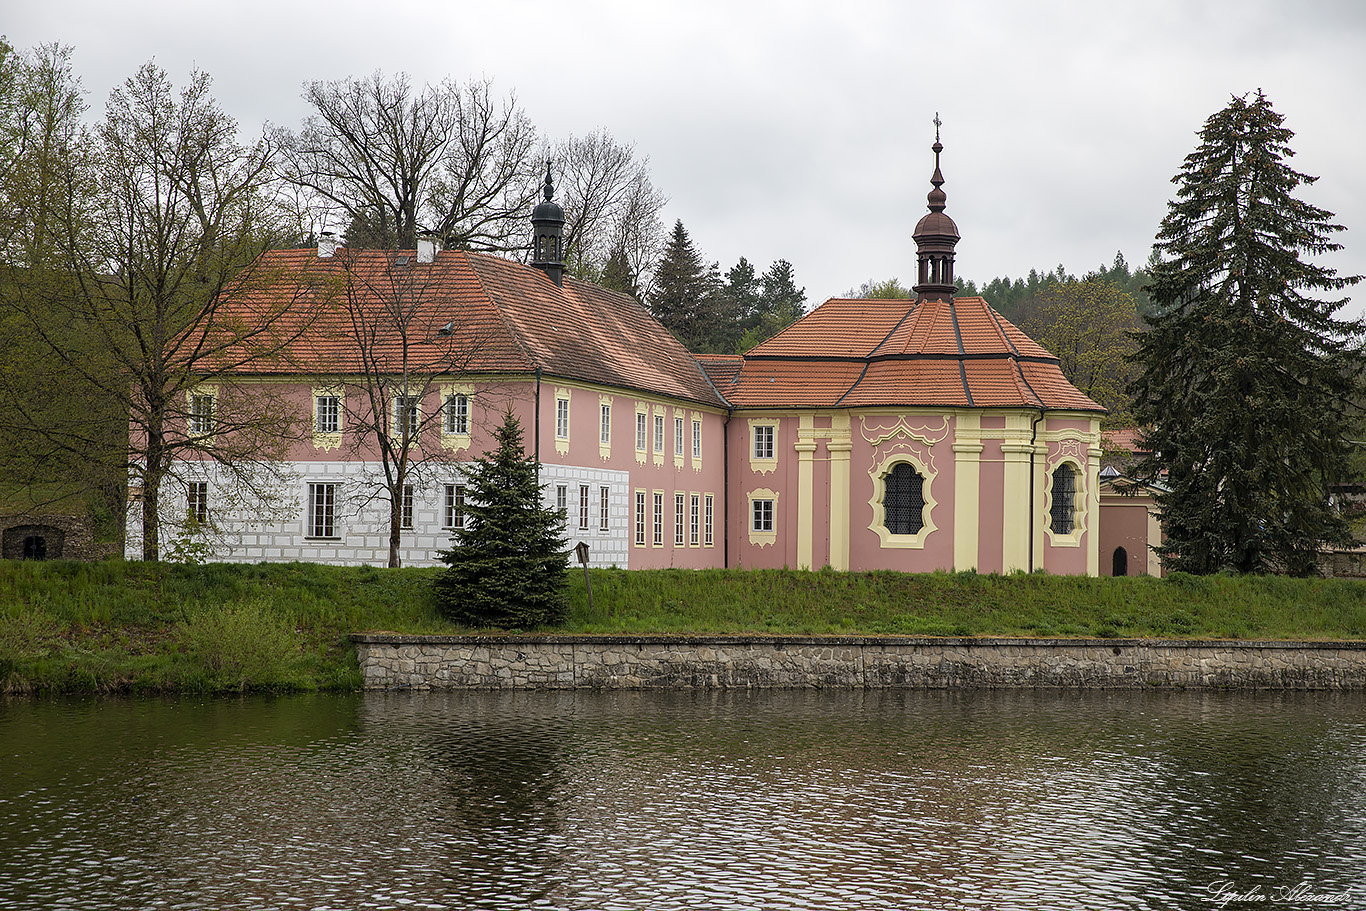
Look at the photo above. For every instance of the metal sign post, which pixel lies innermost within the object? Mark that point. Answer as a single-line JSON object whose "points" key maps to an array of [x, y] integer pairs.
{"points": [[581, 551]]}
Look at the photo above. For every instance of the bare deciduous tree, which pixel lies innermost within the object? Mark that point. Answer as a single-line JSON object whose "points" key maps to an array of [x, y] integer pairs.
{"points": [[394, 161]]}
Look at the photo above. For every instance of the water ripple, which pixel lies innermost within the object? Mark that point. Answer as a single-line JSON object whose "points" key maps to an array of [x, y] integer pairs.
{"points": [[678, 801]]}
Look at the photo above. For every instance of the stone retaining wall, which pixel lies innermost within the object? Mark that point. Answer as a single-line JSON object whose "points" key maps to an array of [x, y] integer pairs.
{"points": [[390, 661]]}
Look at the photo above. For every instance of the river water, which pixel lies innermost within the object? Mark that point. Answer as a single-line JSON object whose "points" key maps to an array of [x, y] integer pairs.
{"points": [[686, 800]]}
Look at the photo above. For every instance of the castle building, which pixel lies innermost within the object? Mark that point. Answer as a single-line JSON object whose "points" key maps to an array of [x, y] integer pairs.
{"points": [[920, 434]]}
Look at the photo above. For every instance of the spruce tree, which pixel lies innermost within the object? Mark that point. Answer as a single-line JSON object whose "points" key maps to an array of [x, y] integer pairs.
{"points": [[507, 565], [686, 297], [1246, 377]]}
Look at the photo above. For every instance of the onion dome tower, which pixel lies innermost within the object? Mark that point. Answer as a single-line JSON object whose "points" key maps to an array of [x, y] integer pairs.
{"points": [[935, 237], [547, 234]]}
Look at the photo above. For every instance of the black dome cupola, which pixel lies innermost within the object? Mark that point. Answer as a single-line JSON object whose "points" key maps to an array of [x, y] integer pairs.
{"points": [[547, 234], [935, 237]]}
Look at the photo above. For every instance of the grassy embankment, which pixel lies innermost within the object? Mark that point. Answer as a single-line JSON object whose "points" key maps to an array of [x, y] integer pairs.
{"points": [[133, 627]]}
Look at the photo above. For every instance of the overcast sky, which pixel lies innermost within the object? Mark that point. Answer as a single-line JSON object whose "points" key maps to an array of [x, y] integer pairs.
{"points": [[801, 130]]}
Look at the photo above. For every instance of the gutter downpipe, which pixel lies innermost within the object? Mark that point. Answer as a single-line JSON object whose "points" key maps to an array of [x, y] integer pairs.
{"points": [[538, 424], [1033, 437], [725, 483]]}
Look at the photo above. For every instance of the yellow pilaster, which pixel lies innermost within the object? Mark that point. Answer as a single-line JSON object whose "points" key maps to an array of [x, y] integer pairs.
{"points": [[1093, 510], [1015, 517], [840, 445], [967, 482], [806, 479]]}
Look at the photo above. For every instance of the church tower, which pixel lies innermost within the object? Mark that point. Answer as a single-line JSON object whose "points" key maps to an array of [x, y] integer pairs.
{"points": [[547, 234], [935, 237]]}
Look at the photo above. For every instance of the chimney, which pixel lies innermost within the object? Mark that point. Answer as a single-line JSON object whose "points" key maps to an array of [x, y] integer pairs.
{"points": [[327, 245], [427, 248]]}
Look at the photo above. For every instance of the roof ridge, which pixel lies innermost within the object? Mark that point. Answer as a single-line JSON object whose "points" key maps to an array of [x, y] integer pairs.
{"points": [[962, 355]]}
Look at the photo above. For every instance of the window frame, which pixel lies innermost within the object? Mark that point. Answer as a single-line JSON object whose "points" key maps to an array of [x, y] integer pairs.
{"points": [[605, 428], [201, 418], [327, 406], [456, 414], [405, 507], [407, 416], [322, 511], [453, 509], [197, 502]]}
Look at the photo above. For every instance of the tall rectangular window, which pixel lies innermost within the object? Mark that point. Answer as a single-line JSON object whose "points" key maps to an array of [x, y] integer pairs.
{"points": [[763, 441], [679, 513], [678, 436], [694, 520], [454, 512], [201, 414], [583, 507], [322, 510], [604, 507], [642, 423], [708, 519], [405, 508], [605, 432], [659, 433], [659, 520], [640, 517], [198, 495], [697, 439], [405, 416], [763, 515], [457, 414], [562, 499], [327, 413], [562, 419]]}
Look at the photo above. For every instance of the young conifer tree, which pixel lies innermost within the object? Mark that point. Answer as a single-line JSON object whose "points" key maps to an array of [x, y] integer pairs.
{"points": [[507, 565], [1247, 377]]}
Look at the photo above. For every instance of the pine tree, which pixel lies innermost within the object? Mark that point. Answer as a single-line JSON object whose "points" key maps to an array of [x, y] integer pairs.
{"points": [[508, 563], [1246, 378]]}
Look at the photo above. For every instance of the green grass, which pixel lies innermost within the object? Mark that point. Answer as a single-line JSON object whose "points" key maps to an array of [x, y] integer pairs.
{"points": [[135, 627]]}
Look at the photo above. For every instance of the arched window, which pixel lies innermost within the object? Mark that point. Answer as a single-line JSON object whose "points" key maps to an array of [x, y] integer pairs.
{"points": [[1119, 564], [1064, 510], [903, 503]]}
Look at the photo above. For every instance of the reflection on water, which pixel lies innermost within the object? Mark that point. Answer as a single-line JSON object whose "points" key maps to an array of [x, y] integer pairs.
{"points": [[690, 800]]}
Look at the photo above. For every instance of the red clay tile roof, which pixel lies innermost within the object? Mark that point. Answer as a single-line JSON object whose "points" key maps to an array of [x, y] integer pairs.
{"points": [[874, 353], [505, 318]]}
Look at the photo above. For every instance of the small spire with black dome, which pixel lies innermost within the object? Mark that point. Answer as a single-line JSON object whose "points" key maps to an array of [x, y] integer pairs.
{"points": [[935, 238], [547, 233]]}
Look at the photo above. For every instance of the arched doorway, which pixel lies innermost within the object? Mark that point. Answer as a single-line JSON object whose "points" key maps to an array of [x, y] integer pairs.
{"points": [[1119, 565]]}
